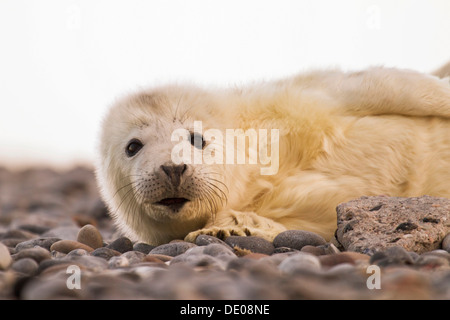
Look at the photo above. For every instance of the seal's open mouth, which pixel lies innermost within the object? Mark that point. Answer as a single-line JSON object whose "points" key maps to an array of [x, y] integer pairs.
{"points": [[173, 203]]}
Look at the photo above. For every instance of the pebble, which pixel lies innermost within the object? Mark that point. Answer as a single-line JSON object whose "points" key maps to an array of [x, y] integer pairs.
{"points": [[204, 240], [67, 233], [284, 250], [446, 243], [92, 263], [5, 257], [329, 248], [26, 266], [392, 256], [331, 260], [161, 257], [300, 262], [118, 262], [208, 269], [251, 243], [317, 251], [34, 228], [297, 239], [65, 246], [213, 249], [143, 247], [105, 253], [173, 249], [77, 252], [18, 234], [38, 254], [199, 260], [122, 244], [134, 257], [44, 242], [12, 242], [44, 265], [431, 261], [89, 235]]}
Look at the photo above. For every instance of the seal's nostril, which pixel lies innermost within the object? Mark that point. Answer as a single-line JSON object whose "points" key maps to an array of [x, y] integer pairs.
{"points": [[174, 172]]}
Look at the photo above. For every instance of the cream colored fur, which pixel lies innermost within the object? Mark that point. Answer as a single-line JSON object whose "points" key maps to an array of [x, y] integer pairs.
{"points": [[342, 136]]}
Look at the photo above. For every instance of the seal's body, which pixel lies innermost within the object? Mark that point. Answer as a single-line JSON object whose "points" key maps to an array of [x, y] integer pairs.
{"points": [[341, 136]]}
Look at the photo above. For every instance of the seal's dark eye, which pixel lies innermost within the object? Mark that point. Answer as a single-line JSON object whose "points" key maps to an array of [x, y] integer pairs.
{"points": [[197, 140], [133, 147]]}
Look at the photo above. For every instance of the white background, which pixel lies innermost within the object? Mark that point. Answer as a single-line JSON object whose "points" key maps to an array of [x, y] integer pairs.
{"points": [[62, 63]]}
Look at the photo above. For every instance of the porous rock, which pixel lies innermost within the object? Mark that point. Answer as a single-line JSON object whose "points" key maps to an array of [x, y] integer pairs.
{"points": [[371, 224]]}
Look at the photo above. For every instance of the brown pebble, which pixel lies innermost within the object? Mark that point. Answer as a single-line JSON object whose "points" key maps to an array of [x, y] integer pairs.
{"points": [[256, 256], [65, 246], [161, 257], [153, 259], [356, 256], [314, 250], [38, 254], [89, 235], [335, 259], [83, 219]]}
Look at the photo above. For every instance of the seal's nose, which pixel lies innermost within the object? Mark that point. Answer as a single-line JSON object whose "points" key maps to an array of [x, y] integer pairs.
{"points": [[174, 172]]}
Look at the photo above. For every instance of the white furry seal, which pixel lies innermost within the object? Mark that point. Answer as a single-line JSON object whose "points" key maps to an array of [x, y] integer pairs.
{"points": [[341, 136]]}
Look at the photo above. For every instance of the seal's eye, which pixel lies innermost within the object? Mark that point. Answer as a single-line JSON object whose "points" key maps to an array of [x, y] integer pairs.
{"points": [[133, 147], [197, 140]]}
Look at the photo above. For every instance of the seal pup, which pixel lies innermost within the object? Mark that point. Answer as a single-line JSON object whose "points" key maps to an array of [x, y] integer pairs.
{"points": [[342, 135]]}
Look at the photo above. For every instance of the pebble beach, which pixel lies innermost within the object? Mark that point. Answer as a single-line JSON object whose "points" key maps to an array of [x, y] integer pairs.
{"points": [[58, 242]]}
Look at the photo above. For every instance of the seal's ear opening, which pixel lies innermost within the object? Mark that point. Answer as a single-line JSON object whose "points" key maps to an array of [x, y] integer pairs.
{"points": [[133, 147]]}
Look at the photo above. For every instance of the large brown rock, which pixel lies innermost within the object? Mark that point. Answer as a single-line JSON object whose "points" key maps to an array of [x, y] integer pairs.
{"points": [[370, 224]]}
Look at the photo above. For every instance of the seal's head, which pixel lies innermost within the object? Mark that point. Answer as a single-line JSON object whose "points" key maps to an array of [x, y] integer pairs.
{"points": [[150, 197]]}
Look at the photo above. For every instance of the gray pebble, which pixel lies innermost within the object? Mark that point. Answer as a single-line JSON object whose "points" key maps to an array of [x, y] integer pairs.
{"points": [[143, 247], [38, 254], [199, 260], [299, 262], [134, 256], [44, 242], [241, 264], [204, 240], [392, 256], [12, 242], [430, 261], [37, 229], [50, 263], [276, 259], [90, 236], [122, 245], [65, 233], [284, 250], [105, 253], [297, 239], [26, 266], [252, 243], [173, 249], [213, 249], [5, 257], [77, 252], [18, 234], [118, 262], [446, 243], [92, 263]]}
